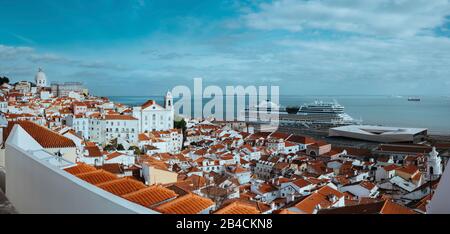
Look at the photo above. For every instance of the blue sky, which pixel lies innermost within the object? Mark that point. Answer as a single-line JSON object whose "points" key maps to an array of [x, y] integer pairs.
{"points": [[316, 47]]}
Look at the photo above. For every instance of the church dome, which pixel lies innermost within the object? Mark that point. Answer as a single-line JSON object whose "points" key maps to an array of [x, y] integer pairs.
{"points": [[41, 78]]}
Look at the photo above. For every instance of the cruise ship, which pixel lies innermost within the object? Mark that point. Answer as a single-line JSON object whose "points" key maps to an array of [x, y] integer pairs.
{"points": [[325, 113], [316, 113], [319, 107]]}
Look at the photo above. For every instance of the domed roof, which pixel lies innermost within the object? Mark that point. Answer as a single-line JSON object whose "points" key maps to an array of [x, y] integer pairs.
{"points": [[40, 75]]}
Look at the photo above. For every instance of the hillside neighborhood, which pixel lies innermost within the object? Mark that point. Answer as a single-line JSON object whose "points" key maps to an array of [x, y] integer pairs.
{"points": [[172, 164]]}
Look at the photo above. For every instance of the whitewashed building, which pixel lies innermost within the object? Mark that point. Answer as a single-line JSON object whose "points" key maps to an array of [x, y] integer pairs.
{"points": [[79, 123], [153, 117], [109, 127]]}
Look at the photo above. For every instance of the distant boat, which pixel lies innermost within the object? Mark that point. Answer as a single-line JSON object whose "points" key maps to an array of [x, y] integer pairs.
{"points": [[414, 99]]}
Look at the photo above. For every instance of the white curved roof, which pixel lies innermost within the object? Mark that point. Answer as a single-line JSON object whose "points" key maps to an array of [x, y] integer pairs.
{"points": [[40, 75], [376, 133]]}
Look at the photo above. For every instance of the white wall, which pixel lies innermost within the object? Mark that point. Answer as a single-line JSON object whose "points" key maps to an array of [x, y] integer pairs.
{"points": [[37, 186], [440, 203], [2, 157]]}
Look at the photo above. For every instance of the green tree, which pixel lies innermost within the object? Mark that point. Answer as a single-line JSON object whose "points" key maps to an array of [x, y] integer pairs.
{"points": [[120, 147], [181, 124], [4, 80], [109, 147], [136, 150]]}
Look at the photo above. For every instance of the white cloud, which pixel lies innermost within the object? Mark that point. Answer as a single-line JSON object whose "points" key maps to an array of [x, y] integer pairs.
{"points": [[370, 17], [13, 51]]}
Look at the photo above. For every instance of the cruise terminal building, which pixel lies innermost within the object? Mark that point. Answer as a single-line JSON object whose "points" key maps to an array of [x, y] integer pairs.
{"points": [[380, 133]]}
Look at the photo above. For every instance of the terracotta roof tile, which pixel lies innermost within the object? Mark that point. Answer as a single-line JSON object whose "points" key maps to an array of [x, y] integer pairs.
{"points": [[321, 197], [114, 168], [150, 196], [301, 183], [238, 208], [280, 135], [390, 167], [119, 117], [301, 139], [147, 104], [143, 137], [411, 169], [394, 208], [113, 155], [97, 177], [80, 168], [122, 186], [93, 151], [187, 204], [44, 136], [383, 207]]}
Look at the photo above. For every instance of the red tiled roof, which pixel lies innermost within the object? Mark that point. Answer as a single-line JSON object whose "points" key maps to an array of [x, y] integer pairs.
{"points": [[382, 207], [97, 177], [114, 168], [289, 144], [405, 148], [301, 183], [411, 169], [301, 139], [390, 167], [113, 155], [122, 186], [119, 117], [367, 184], [238, 208], [187, 204], [143, 137], [44, 136], [280, 135], [147, 104], [151, 196], [321, 197], [266, 188], [93, 151], [394, 208], [319, 144], [80, 168]]}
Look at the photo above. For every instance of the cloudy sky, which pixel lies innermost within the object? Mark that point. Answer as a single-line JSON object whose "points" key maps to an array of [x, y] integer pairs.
{"points": [[315, 47]]}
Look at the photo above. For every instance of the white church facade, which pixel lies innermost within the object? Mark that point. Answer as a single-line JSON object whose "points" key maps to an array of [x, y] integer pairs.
{"points": [[434, 164], [154, 117]]}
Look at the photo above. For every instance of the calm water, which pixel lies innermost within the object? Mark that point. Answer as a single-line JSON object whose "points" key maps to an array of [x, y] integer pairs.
{"points": [[431, 112]]}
